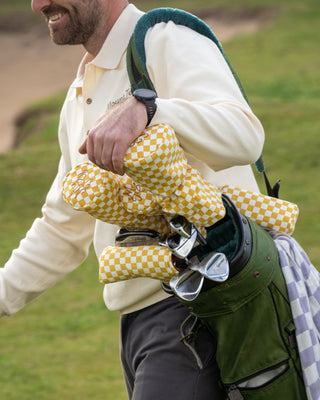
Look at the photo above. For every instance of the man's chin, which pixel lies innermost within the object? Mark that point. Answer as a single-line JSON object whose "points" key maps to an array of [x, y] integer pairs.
{"points": [[60, 39], [64, 37]]}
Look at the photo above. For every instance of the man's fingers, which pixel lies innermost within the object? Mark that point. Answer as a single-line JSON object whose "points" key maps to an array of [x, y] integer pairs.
{"points": [[91, 146], [107, 154], [118, 167], [97, 150], [83, 147], [112, 134], [118, 154]]}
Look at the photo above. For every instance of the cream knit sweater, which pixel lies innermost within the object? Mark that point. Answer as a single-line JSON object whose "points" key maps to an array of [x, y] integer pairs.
{"points": [[198, 97]]}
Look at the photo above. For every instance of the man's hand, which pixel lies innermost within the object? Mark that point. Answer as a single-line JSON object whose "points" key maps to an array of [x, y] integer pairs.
{"points": [[112, 134]]}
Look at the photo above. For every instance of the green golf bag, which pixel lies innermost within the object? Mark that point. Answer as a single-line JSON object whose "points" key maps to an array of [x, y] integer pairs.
{"points": [[249, 314]]}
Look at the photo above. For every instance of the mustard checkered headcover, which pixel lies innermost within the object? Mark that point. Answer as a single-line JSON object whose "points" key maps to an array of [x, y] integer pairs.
{"points": [[159, 183], [123, 263], [266, 211], [103, 195], [157, 162]]}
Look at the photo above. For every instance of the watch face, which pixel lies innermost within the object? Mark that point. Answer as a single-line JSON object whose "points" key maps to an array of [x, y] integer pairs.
{"points": [[146, 94]]}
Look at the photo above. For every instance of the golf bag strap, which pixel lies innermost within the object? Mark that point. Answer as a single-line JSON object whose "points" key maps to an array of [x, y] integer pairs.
{"points": [[136, 57]]}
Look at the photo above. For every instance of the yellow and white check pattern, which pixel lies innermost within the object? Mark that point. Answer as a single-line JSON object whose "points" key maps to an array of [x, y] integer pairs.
{"points": [[127, 200], [123, 263], [158, 185], [197, 200], [266, 211], [156, 161], [103, 195]]}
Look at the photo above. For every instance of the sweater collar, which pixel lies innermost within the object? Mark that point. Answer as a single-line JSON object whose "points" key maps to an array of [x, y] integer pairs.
{"points": [[115, 44], [117, 41]]}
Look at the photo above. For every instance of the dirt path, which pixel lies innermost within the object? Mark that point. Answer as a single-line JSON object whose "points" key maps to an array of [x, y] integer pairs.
{"points": [[32, 67]]}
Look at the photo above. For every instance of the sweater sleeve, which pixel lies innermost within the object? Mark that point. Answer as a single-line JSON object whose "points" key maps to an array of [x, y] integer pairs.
{"points": [[54, 246], [199, 97]]}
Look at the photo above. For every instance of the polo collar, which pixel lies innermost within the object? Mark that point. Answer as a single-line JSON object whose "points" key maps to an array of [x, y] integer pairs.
{"points": [[115, 44]]}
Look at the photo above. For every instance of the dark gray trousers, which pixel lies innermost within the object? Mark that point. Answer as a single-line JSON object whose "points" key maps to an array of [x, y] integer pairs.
{"points": [[157, 365]]}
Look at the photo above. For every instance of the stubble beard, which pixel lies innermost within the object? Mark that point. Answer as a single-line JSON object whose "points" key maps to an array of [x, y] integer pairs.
{"points": [[81, 26]]}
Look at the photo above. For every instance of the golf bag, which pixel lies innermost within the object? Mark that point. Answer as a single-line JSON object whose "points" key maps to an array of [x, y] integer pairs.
{"points": [[249, 314]]}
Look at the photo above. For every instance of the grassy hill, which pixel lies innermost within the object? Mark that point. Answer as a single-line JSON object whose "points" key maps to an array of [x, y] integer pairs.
{"points": [[65, 344]]}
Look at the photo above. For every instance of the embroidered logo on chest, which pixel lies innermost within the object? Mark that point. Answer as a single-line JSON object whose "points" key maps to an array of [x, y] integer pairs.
{"points": [[125, 95]]}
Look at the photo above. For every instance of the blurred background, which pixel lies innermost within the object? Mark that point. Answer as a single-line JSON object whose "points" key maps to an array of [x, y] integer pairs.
{"points": [[65, 344]]}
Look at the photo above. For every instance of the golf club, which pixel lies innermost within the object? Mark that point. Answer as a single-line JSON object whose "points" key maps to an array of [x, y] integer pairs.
{"points": [[180, 246], [187, 284], [214, 267], [183, 227]]}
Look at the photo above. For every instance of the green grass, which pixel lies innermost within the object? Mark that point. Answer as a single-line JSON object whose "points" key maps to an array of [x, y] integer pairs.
{"points": [[278, 67], [64, 345]]}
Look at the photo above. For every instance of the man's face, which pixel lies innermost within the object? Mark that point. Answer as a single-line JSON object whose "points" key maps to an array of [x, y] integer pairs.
{"points": [[70, 21]]}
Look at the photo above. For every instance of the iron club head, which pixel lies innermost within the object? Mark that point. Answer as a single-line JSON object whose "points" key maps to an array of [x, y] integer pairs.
{"points": [[181, 246], [214, 267], [187, 284], [181, 225]]}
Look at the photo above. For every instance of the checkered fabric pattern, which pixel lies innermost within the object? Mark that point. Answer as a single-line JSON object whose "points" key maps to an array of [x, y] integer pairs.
{"points": [[135, 199], [123, 263], [197, 200], [103, 194], [156, 161], [158, 183], [266, 211], [303, 284]]}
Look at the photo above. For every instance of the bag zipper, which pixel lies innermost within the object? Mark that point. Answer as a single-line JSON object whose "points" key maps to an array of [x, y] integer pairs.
{"points": [[234, 393], [234, 389]]}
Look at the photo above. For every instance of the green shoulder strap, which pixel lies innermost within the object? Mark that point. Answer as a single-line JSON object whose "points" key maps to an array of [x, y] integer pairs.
{"points": [[136, 56]]}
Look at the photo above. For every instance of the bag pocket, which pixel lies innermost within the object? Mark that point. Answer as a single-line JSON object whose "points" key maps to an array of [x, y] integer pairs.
{"points": [[277, 383]]}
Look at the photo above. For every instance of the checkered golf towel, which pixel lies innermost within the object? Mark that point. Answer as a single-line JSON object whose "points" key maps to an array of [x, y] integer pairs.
{"points": [[303, 283]]}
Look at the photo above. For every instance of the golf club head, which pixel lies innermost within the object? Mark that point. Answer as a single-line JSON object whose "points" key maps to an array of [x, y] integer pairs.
{"points": [[181, 246], [127, 237], [187, 284], [214, 267], [181, 225]]}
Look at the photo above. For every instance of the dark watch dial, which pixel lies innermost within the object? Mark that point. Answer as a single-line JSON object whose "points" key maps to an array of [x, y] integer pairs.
{"points": [[148, 98]]}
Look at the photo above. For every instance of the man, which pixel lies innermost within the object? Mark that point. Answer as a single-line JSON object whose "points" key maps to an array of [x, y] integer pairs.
{"points": [[199, 98]]}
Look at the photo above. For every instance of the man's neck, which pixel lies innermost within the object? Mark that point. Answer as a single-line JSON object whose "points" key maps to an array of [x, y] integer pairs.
{"points": [[112, 12]]}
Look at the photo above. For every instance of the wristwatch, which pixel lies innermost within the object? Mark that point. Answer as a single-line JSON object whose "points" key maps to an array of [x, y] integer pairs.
{"points": [[148, 98]]}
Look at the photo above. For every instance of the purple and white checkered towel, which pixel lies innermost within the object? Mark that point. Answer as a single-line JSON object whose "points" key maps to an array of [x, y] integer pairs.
{"points": [[303, 283]]}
